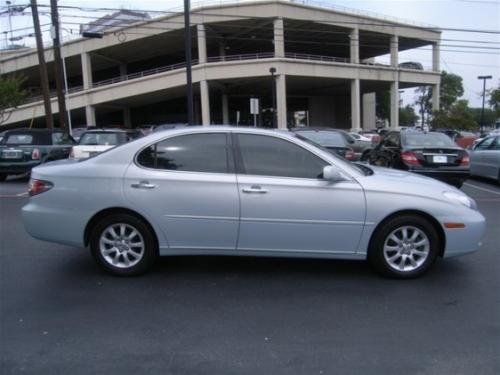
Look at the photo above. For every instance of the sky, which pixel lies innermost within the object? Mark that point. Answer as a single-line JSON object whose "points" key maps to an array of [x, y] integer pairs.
{"points": [[463, 14]]}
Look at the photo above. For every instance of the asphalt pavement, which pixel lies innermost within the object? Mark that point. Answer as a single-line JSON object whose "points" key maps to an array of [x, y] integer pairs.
{"points": [[59, 314]]}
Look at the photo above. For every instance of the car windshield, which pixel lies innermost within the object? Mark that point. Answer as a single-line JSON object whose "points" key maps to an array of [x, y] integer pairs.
{"points": [[427, 140], [19, 139], [104, 139], [324, 138]]}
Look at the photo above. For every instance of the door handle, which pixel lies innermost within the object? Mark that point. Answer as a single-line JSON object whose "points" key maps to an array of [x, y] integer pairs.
{"points": [[143, 185], [254, 189]]}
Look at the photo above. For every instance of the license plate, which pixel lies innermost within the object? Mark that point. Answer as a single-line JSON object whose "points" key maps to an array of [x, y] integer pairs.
{"points": [[11, 154], [439, 159]]}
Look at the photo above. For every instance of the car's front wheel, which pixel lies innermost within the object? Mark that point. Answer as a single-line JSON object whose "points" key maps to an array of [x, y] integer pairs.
{"points": [[123, 245], [404, 247]]}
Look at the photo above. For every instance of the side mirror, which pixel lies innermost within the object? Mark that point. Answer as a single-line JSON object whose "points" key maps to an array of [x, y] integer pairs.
{"points": [[330, 173]]}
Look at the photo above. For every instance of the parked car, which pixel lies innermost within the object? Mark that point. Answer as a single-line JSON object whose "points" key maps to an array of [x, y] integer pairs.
{"points": [[430, 154], [373, 135], [461, 138], [485, 158], [76, 133], [246, 191], [362, 145], [411, 65], [94, 142], [23, 149], [330, 139]]}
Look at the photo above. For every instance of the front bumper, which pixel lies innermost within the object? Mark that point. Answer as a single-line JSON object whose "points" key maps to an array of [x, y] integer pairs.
{"points": [[18, 168], [464, 240]]}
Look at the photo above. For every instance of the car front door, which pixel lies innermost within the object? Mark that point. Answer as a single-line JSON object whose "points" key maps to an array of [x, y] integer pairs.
{"points": [[285, 204], [187, 185]]}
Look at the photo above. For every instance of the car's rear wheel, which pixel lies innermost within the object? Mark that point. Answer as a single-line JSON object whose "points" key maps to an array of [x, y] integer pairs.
{"points": [[3, 177], [123, 245], [404, 247]]}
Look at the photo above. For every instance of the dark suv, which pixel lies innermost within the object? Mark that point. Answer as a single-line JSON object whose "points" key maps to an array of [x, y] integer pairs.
{"points": [[430, 154], [23, 149]]}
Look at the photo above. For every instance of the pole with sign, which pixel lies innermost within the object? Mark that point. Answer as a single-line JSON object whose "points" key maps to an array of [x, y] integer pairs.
{"points": [[254, 109]]}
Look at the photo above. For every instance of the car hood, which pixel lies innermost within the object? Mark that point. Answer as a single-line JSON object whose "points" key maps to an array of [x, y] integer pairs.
{"points": [[402, 182]]}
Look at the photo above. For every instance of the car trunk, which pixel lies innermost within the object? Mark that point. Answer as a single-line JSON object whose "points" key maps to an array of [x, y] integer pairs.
{"points": [[16, 153], [439, 157]]}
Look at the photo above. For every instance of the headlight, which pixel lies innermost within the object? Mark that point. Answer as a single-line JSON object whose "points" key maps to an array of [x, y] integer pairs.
{"points": [[462, 199]]}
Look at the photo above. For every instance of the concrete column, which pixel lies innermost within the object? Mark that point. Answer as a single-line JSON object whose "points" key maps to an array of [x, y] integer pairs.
{"points": [[205, 103], [435, 97], [202, 44], [225, 109], [355, 105], [394, 105], [369, 110], [354, 43], [281, 109], [86, 70], [123, 69], [279, 38], [127, 118], [394, 51], [436, 58], [90, 115]]}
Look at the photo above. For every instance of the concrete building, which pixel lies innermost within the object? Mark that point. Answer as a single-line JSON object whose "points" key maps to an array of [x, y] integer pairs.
{"points": [[324, 61]]}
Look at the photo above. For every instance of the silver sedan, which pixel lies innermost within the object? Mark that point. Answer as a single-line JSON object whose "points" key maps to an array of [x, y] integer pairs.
{"points": [[485, 158], [235, 191]]}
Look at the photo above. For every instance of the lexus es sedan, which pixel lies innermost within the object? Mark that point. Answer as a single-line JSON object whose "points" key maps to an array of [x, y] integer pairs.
{"points": [[253, 192]]}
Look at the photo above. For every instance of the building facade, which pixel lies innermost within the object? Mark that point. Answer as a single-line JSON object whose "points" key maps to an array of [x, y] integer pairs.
{"points": [[325, 74]]}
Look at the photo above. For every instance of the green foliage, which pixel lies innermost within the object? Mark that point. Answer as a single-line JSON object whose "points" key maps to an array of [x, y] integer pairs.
{"points": [[494, 100], [489, 116], [423, 103], [11, 94], [407, 116], [457, 117], [451, 89]]}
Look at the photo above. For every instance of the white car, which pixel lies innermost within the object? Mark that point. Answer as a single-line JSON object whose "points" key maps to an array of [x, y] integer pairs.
{"points": [[360, 137], [96, 141]]}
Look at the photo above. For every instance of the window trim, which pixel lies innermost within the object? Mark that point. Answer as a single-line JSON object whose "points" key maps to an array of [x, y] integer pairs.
{"points": [[240, 166], [230, 163]]}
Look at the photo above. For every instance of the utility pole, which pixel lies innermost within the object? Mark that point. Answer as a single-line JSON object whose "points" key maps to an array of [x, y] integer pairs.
{"points": [[189, 87], [484, 78], [44, 79], [58, 69]]}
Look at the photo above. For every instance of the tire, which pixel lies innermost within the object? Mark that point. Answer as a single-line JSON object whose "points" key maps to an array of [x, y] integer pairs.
{"points": [[112, 243], [458, 184], [406, 259], [3, 177]]}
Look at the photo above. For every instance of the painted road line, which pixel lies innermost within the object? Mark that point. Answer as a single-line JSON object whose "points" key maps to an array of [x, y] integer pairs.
{"points": [[481, 188], [22, 194]]}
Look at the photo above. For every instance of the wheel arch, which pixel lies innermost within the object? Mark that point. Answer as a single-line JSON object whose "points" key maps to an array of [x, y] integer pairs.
{"points": [[111, 211], [422, 214]]}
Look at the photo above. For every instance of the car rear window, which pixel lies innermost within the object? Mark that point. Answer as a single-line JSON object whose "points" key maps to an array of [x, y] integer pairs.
{"points": [[104, 139], [19, 139], [324, 138], [427, 140]]}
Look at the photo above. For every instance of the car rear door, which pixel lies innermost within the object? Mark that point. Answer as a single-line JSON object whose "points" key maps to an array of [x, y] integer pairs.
{"points": [[187, 185], [285, 204]]}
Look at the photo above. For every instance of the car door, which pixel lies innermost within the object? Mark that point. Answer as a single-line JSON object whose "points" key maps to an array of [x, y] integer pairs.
{"points": [[187, 185], [491, 158], [285, 204], [479, 165]]}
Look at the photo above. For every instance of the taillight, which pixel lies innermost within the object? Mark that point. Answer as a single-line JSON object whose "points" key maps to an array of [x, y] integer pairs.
{"points": [[410, 158], [465, 161], [39, 186], [35, 155], [349, 155]]}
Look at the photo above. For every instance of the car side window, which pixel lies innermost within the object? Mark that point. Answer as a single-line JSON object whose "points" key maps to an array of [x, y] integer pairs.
{"points": [[496, 146], [191, 153], [61, 139], [270, 156], [485, 144]]}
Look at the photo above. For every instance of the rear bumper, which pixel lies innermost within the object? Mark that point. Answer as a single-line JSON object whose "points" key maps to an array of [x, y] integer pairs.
{"points": [[444, 174], [18, 168]]}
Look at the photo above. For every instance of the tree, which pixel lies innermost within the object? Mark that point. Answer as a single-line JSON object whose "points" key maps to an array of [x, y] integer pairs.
{"points": [[383, 105], [489, 116], [407, 116], [494, 100], [457, 117], [423, 102], [11, 95], [451, 89]]}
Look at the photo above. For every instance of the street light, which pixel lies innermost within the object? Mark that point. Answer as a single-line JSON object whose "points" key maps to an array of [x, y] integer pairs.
{"points": [[272, 70], [484, 78]]}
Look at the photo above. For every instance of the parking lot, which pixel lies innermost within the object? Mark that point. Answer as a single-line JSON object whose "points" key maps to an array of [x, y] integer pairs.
{"points": [[60, 314]]}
